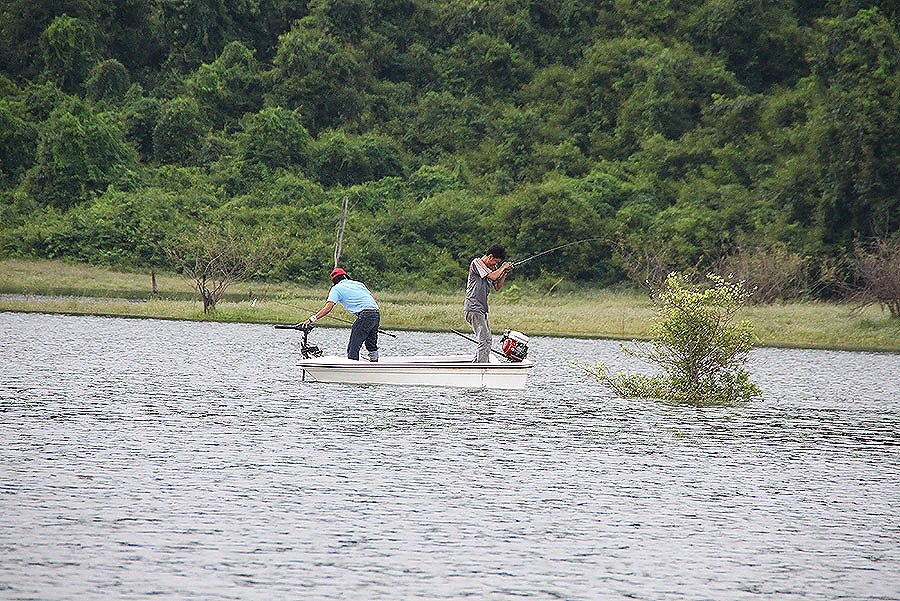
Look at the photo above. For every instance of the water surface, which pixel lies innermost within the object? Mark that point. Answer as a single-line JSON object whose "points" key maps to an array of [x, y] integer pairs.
{"points": [[187, 460]]}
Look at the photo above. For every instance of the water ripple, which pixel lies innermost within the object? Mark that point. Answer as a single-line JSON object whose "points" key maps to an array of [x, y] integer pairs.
{"points": [[186, 460]]}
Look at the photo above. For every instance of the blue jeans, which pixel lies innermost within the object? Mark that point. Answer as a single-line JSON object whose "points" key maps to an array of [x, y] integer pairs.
{"points": [[365, 329]]}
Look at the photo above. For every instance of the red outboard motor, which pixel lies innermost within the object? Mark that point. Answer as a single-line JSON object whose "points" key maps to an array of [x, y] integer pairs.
{"points": [[514, 345]]}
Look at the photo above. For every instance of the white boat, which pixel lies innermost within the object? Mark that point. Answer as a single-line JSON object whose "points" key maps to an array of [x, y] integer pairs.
{"points": [[420, 370]]}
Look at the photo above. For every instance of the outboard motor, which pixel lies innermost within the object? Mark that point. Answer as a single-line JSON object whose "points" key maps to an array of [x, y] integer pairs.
{"points": [[514, 345]]}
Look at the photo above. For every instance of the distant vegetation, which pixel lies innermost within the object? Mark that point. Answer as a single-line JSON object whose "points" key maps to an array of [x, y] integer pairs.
{"points": [[758, 138]]}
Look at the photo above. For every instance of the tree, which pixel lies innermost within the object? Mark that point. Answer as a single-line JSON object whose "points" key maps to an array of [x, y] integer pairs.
{"points": [[69, 50], [214, 258], [878, 269], [347, 17], [602, 81], [40, 100], [441, 123], [680, 84], [193, 31], [116, 228], [141, 116], [761, 41], [79, 153], [108, 80], [651, 18], [512, 137], [324, 76], [484, 65], [128, 30], [230, 86], [549, 214], [383, 156], [642, 258], [429, 180], [343, 159], [22, 23], [177, 134], [857, 127], [696, 344], [17, 145], [276, 138]]}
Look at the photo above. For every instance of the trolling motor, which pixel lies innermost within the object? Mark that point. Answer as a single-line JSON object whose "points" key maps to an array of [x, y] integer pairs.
{"points": [[514, 345], [308, 350]]}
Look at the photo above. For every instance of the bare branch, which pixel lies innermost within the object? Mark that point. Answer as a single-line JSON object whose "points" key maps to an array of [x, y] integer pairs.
{"points": [[216, 257], [877, 267], [342, 226]]}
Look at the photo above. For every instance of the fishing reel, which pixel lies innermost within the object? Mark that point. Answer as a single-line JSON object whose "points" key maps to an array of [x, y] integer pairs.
{"points": [[514, 345]]}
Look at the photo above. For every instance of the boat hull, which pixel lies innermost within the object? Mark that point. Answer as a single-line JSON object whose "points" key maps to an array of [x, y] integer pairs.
{"points": [[456, 371]]}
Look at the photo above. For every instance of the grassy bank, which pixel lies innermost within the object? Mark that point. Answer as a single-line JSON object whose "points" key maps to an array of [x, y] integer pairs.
{"points": [[58, 287]]}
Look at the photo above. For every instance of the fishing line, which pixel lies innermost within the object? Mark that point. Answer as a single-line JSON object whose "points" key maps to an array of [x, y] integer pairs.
{"points": [[555, 248]]}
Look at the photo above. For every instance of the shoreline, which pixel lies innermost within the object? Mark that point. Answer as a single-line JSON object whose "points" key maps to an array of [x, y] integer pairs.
{"points": [[34, 286], [83, 312]]}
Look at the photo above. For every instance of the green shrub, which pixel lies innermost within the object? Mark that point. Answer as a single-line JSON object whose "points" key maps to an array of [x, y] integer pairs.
{"points": [[695, 343]]}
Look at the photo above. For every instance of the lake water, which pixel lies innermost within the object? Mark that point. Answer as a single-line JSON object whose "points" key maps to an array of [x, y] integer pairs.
{"points": [[187, 461]]}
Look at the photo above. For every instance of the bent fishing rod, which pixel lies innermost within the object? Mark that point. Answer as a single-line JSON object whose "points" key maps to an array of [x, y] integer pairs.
{"points": [[554, 249], [295, 327]]}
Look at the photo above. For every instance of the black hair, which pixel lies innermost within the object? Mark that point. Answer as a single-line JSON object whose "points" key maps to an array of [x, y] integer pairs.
{"points": [[338, 278], [497, 251]]}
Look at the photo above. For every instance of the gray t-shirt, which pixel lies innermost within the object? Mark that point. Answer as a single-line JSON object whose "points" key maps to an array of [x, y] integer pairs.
{"points": [[477, 287]]}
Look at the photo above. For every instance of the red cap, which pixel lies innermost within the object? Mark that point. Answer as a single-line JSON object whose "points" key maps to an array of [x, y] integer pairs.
{"points": [[336, 272]]}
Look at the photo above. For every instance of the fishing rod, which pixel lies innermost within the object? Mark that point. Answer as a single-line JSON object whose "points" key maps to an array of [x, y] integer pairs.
{"points": [[555, 248], [293, 327], [470, 339]]}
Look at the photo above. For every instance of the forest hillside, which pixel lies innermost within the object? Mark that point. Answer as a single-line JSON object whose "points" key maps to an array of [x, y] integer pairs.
{"points": [[756, 136]]}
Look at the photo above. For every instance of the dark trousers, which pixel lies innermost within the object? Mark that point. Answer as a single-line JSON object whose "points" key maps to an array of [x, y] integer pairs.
{"points": [[365, 329]]}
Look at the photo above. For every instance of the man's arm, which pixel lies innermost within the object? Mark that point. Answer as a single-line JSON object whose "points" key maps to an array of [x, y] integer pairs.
{"points": [[329, 305], [501, 273], [494, 275]]}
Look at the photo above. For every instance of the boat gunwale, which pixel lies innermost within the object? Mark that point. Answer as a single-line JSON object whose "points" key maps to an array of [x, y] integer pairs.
{"points": [[310, 364]]}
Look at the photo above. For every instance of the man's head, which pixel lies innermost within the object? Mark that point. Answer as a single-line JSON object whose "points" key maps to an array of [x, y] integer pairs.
{"points": [[494, 255], [338, 274]]}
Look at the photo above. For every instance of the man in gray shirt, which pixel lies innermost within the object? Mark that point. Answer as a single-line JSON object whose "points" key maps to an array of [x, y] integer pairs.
{"points": [[484, 274]]}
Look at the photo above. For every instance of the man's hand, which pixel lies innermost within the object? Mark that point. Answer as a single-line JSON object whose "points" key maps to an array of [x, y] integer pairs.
{"points": [[508, 266], [307, 323]]}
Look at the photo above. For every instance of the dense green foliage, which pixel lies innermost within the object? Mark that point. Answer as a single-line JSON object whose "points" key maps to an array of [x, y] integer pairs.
{"points": [[695, 343], [684, 133]]}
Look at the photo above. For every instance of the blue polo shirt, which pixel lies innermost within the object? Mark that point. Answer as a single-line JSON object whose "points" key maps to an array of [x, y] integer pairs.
{"points": [[353, 296]]}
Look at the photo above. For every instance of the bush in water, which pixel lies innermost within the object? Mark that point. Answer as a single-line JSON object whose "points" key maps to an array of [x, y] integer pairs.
{"points": [[696, 343]]}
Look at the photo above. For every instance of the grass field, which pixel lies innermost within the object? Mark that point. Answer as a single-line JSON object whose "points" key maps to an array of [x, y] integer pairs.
{"points": [[60, 287]]}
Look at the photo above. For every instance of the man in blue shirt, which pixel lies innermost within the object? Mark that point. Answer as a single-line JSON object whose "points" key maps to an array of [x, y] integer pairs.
{"points": [[356, 298]]}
